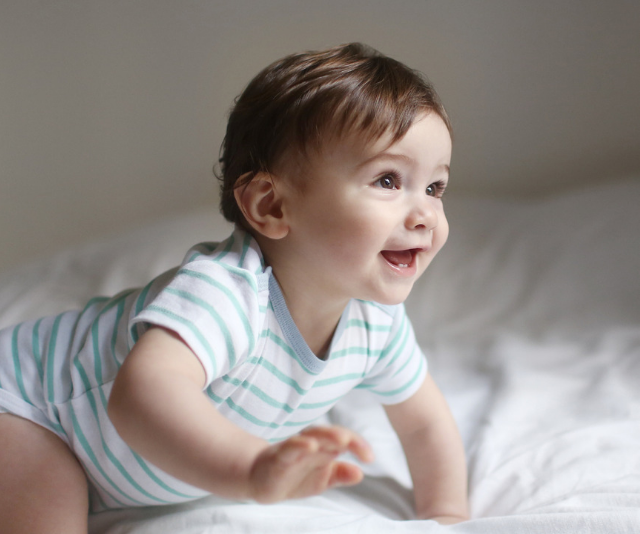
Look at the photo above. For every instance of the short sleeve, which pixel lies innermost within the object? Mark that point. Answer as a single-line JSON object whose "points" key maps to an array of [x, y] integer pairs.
{"points": [[401, 367], [214, 309]]}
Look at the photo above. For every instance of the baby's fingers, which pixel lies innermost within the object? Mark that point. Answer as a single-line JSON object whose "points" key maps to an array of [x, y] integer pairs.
{"points": [[344, 474], [338, 440], [295, 448], [361, 449]]}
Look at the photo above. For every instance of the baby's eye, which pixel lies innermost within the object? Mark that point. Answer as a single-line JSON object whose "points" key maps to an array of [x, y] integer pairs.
{"points": [[436, 189], [388, 181]]}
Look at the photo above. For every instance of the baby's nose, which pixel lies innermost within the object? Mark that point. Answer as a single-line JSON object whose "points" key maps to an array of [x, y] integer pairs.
{"points": [[422, 216]]}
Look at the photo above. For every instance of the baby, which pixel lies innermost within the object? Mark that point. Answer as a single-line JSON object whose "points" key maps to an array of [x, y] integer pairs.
{"points": [[208, 379]]}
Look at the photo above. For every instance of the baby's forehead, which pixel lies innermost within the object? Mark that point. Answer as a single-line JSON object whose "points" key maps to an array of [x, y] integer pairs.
{"points": [[353, 145], [357, 144], [346, 153], [358, 149], [363, 139]]}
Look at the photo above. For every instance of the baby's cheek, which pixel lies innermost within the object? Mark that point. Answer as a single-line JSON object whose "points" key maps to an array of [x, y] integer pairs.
{"points": [[353, 228], [441, 233]]}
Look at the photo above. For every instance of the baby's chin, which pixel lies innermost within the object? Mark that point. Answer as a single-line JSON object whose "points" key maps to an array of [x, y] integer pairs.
{"points": [[395, 299]]}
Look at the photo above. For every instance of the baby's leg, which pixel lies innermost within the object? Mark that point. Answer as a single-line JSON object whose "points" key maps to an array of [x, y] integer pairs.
{"points": [[42, 486]]}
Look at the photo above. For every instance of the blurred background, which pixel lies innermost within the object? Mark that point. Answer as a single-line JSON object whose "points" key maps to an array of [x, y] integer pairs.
{"points": [[112, 112]]}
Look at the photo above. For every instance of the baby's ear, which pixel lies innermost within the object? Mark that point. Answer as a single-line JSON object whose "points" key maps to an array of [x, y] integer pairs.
{"points": [[261, 204]]}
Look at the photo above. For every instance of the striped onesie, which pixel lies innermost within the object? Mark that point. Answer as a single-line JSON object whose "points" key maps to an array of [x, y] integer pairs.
{"points": [[228, 308]]}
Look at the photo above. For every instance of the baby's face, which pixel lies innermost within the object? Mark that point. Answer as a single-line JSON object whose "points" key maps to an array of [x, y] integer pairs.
{"points": [[368, 221]]}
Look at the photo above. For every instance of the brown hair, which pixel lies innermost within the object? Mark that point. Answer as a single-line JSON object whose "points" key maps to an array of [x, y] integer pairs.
{"points": [[297, 103]]}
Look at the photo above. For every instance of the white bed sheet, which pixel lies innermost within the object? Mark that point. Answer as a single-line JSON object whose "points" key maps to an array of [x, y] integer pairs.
{"points": [[530, 318]]}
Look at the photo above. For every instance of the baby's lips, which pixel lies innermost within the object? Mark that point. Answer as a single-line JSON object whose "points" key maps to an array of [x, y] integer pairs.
{"points": [[398, 257]]}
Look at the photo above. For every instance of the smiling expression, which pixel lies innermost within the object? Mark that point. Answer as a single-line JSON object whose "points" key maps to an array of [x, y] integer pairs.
{"points": [[368, 220]]}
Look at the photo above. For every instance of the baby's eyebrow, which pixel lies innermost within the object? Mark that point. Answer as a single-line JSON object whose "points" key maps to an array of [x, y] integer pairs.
{"points": [[386, 156], [396, 157]]}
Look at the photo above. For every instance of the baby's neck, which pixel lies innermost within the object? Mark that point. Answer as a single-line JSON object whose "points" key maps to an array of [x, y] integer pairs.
{"points": [[315, 313], [317, 326], [316, 318]]}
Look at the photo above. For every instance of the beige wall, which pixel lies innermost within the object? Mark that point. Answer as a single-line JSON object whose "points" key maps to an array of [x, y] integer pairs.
{"points": [[111, 112]]}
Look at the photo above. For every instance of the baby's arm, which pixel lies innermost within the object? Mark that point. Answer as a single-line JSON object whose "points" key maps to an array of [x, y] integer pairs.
{"points": [[434, 453], [158, 407]]}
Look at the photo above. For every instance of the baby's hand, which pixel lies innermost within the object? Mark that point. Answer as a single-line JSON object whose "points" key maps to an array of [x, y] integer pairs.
{"points": [[305, 465]]}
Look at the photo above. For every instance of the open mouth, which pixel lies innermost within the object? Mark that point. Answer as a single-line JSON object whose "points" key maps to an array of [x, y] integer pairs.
{"points": [[402, 259]]}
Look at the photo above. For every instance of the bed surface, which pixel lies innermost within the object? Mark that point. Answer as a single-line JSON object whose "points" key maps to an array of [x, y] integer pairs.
{"points": [[530, 319]]}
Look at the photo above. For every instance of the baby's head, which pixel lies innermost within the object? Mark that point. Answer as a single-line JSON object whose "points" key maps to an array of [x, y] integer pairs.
{"points": [[299, 104]]}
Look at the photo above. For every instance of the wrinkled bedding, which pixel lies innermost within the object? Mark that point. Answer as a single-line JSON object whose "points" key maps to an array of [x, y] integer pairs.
{"points": [[530, 319]]}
